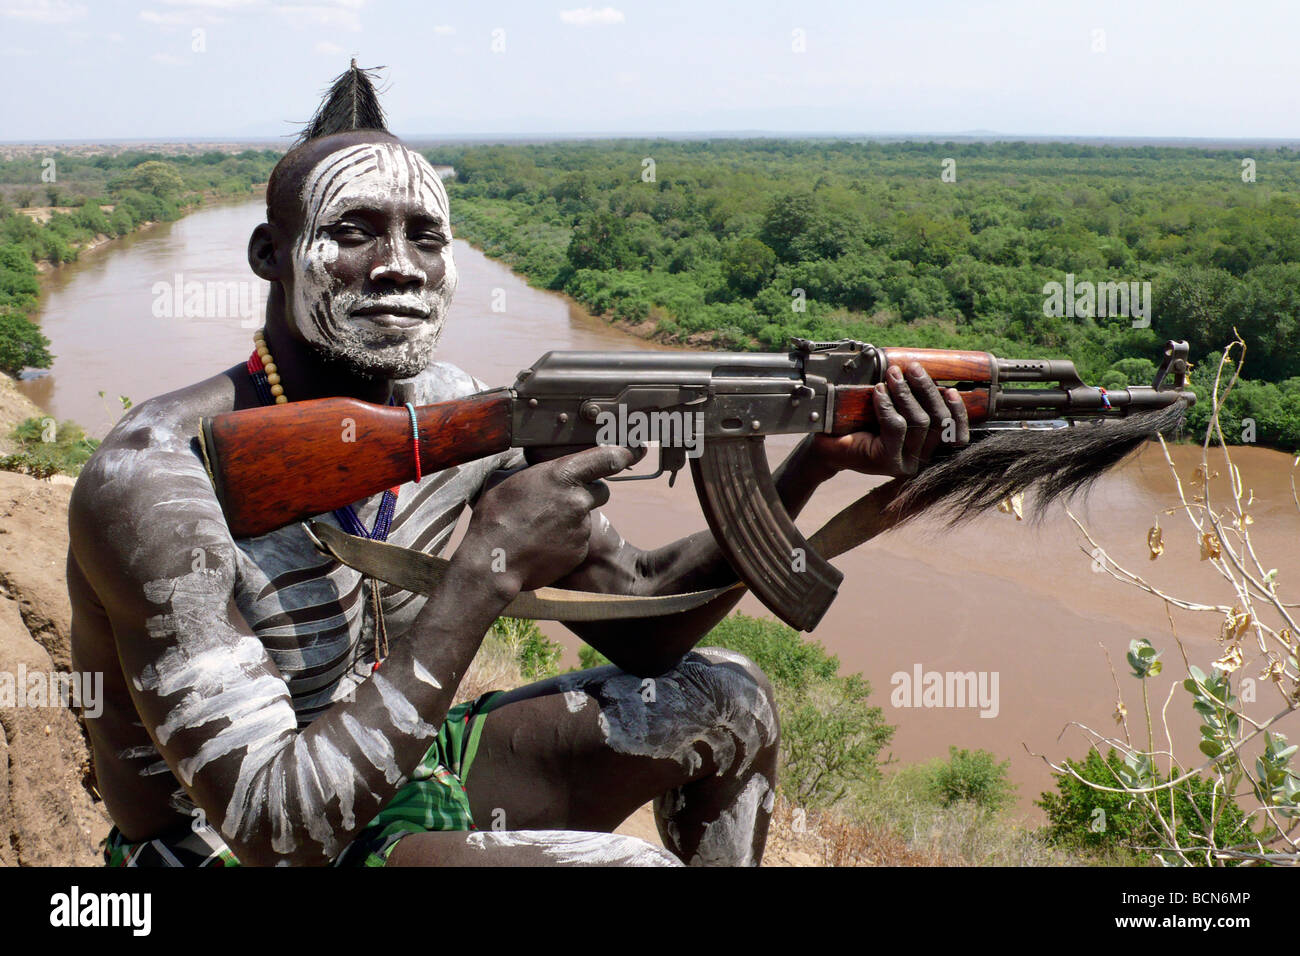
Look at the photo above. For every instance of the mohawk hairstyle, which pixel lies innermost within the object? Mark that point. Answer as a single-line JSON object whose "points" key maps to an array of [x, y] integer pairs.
{"points": [[352, 103]]}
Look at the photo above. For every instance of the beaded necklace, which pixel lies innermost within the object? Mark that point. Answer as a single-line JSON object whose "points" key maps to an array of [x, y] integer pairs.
{"points": [[266, 381]]}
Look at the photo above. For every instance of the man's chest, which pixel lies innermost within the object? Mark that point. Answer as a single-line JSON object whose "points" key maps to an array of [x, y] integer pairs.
{"points": [[317, 617]]}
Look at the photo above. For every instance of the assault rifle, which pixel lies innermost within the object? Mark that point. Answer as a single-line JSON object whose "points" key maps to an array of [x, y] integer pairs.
{"points": [[276, 465]]}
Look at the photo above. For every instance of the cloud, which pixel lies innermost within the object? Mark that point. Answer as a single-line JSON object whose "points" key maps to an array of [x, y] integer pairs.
{"points": [[340, 14], [590, 16], [179, 18], [217, 4], [327, 48], [168, 59], [16, 51], [42, 11], [444, 30]]}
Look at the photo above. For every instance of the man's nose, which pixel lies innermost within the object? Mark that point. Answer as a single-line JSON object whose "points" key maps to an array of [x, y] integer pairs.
{"points": [[394, 263]]}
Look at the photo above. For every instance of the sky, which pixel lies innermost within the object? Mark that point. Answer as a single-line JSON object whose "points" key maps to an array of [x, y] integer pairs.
{"points": [[217, 69]]}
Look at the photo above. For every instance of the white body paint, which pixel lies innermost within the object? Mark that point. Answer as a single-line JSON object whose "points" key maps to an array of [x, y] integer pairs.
{"points": [[729, 840], [577, 848], [369, 173], [422, 674], [723, 709]]}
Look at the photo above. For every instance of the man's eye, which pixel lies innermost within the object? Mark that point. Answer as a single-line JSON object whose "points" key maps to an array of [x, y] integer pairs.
{"points": [[350, 231], [431, 239]]}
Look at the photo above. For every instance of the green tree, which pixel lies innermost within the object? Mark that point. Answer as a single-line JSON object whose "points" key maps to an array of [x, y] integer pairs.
{"points": [[600, 241], [155, 177], [21, 344], [747, 264]]}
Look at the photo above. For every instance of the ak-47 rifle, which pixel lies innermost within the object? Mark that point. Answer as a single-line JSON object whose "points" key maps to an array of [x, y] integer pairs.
{"points": [[276, 465]]}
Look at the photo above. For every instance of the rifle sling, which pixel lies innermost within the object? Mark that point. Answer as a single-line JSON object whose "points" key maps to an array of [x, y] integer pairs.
{"points": [[422, 573]]}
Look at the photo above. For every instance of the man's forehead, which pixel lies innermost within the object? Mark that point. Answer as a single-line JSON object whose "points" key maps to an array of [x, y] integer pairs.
{"points": [[375, 171]]}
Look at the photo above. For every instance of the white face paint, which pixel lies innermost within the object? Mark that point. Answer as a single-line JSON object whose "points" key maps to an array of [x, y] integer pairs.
{"points": [[393, 344]]}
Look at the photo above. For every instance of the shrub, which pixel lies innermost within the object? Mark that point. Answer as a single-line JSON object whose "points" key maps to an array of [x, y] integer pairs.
{"points": [[1111, 824], [63, 447], [972, 777], [538, 655], [21, 344]]}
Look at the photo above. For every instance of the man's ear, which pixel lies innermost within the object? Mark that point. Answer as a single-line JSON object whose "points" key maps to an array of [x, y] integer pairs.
{"points": [[262, 257]]}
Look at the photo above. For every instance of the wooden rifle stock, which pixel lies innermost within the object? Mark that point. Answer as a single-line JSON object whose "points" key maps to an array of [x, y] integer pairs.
{"points": [[276, 465]]}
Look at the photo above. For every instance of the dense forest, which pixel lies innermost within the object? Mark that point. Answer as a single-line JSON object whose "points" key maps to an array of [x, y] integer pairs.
{"points": [[103, 195], [741, 244]]}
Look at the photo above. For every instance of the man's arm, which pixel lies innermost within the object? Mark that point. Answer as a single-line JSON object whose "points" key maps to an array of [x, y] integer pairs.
{"points": [[913, 415], [150, 537]]}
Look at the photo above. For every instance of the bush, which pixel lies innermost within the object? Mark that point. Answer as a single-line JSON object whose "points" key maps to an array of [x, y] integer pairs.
{"points": [[25, 464], [62, 447], [1111, 825], [538, 655], [22, 345], [791, 662], [972, 777], [830, 740]]}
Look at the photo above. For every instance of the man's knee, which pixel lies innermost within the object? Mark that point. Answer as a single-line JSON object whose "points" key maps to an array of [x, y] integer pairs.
{"points": [[713, 704], [737, 685], [733, 660]]}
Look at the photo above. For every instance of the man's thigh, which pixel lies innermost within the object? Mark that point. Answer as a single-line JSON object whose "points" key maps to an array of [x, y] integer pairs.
{"points": [[583, 751]]}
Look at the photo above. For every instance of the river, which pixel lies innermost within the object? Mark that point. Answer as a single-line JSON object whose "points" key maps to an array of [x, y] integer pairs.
{"points": [[1016, 601]]}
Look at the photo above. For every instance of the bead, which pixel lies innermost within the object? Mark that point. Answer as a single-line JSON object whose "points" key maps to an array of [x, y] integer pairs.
{"points": [[268, 367]]}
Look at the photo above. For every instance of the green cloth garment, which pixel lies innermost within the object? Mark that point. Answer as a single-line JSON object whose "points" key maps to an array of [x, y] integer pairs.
{"points": [[433, 798]]}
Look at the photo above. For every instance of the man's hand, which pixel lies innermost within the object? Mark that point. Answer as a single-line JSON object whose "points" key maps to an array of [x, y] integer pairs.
{"points": [[913, 417], [535, 526]]}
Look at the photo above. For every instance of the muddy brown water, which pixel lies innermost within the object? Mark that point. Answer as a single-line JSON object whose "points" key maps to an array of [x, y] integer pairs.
{"points": [[996, 596]]}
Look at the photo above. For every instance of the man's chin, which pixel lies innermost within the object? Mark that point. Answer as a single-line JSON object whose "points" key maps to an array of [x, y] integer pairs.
{"points": [[404, 358]]}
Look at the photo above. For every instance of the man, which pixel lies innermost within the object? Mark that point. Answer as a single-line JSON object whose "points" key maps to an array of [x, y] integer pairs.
{"points": [[265, 706]]}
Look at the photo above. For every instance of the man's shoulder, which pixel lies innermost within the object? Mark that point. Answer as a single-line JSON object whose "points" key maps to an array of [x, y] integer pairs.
{"points": [[441, 382], [154, 445]]}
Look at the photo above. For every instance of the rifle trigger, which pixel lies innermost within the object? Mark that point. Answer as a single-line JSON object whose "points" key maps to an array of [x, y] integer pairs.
{"points": [[672, 460]]}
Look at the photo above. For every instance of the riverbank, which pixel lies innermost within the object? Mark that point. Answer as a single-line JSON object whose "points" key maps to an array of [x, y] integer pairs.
{"points": [[15, 408], [41, 214]]}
